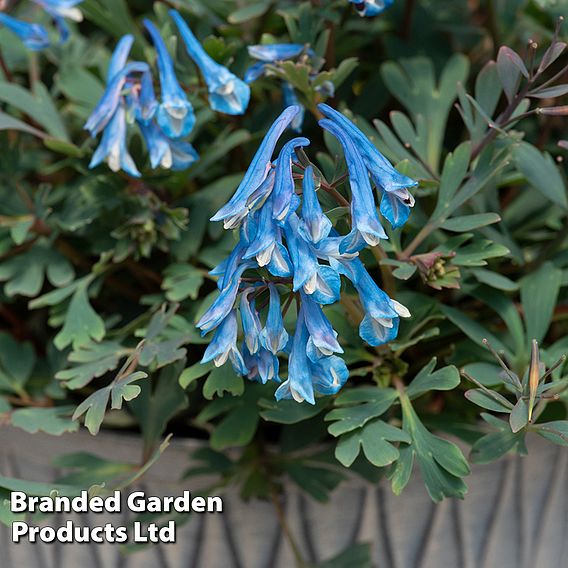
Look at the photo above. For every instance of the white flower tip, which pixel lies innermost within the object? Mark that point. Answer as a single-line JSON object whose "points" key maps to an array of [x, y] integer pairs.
{"points": [[401, 310]]}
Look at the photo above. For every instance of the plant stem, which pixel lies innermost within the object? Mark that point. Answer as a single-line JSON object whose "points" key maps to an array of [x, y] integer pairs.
{"points": [[301, 563]]}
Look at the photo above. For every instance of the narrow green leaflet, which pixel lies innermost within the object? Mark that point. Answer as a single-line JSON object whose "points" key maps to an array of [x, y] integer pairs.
{"points": [[55, 420], [289, 411], [82, 323], [441, 462], [17, 361], [494, 445], [447, 378], [539, 292]]}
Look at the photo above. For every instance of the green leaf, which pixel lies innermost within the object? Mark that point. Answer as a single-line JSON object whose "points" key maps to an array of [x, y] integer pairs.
{"points": [[82, 323], [193, 373], [223, 380], [539, 292], [489, 400], [95, 359], [249, 12], [496, 444], [447, 378], [510, 67], [182, 281], [54, 421], [470, 222], [94, 406], [495, 280], [359, 555], [519, 417], [376, 402], [123, 389], [485, 373], [541, 172], [237, 428], [374, 438], [8, 122], [17, 361], [319, 482], [477, 253], [455, 169], [89, 469], [441, 462], [556, 432], [289, 411]]}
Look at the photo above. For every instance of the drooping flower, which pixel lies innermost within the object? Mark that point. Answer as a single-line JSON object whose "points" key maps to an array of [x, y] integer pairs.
{"points": [[371, 8], [33, 36], [367, 226], [396, 199], [112, 147], [250, 321], [236, 208], [316, 226], [223, 346], [323, 337], [175, 114], [290, 98], [273, 336], [380, 324], [299, 383], [227, 93], [59, 10], [170, 154]]}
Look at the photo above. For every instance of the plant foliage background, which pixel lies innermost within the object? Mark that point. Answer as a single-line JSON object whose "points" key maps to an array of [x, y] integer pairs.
{"points": [[105, 274]]}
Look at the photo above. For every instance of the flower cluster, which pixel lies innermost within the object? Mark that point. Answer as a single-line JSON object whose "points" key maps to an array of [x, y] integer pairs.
{"points": [[371, 8], [288, 248], [35, 36], [130, 98]]}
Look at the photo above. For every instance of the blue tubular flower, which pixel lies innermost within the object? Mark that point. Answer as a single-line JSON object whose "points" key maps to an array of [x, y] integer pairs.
{"points": [[59, 10], [367, 227], [223, 346], [299, 384], [147, 103], [283, 193], [119, 56], [396, 199], [236, 209], [370, 8], [254, 72], [263, 366], [273, 336], [227, 93], [277, 51], [329, 374], [224, 302], [380, 323], [317, 226], [112, 147], [33, 36], [289, 98], [175, 113], [110, 100], [250, 321], [322, 336], [175, 155]]}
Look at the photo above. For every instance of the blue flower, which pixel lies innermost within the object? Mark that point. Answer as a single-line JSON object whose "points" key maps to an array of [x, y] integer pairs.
{"points": [[371, 8], [227, 93], [316, 226], [299, 385], [147, 103], [224, 302], [250, 321], [322, 335], [223, 346], [236, 209], [290, 98], [283, 193], [33, 36], [273, 336], [329, 374], [111, 99], [59, 10], [112, 147], [367, 227], [176, 155], [396, 199], [119, 56], [380, 324], [262, 366], [175, 114], [269, 53]]}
